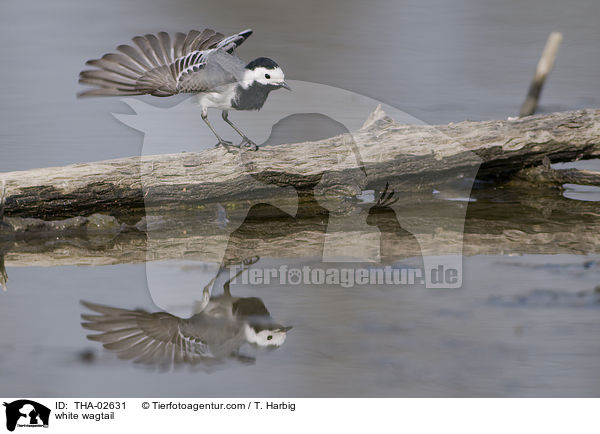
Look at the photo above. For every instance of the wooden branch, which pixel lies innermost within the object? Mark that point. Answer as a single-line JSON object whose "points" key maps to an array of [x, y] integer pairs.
{"points": [[544, 66], [546, 175], [410, 157]]}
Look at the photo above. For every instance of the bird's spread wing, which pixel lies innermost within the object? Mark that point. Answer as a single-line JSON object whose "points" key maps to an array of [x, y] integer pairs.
{"points": [[155, 64], [208, 70], [150, 338]]}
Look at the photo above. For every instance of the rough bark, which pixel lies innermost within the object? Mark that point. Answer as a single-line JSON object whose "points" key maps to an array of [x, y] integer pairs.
{"points": [[410, 157]]}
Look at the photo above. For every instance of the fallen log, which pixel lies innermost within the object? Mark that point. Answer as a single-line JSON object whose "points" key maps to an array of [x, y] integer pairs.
{"points": [[544, 175], [409, 157]]}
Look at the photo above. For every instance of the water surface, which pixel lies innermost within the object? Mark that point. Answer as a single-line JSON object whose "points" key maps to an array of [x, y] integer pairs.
{"points": [[523, 324]]}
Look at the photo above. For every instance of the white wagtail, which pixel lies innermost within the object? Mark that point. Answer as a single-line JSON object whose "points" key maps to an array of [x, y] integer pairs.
{"points": [[211, 336], [201, 63]]}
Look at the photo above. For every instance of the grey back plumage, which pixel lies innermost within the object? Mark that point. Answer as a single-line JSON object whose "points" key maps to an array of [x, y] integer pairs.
{"points": [[162, 65], [216, 68]]}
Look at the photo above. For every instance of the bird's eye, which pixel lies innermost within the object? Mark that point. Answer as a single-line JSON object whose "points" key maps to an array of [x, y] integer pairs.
{"points": [[267, 76], [269, 337]]}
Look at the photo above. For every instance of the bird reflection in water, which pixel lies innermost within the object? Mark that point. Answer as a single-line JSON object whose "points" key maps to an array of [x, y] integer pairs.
{"points": [[216, 334]]}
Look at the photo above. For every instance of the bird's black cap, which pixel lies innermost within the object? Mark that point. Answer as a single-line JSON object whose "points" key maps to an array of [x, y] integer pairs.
{"points": [[262, 62]]}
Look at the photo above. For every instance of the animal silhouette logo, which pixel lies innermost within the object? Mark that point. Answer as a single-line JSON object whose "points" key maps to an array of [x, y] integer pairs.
{"points": [[314, 108], [26, 413]]}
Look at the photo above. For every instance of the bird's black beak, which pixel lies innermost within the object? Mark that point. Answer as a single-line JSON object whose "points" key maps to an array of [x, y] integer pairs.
{"points": [[285, 85], [286, 329]]}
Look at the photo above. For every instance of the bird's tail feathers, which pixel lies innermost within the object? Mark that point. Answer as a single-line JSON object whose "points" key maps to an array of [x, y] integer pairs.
{"points": [[135, 70], [148, 66]]}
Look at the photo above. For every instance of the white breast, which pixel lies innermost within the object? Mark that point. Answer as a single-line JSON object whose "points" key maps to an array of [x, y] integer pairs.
{"points": [[220, 99]]}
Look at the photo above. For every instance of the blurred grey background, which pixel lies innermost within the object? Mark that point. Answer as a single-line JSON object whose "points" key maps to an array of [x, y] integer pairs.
{"points": [[438, 60]]}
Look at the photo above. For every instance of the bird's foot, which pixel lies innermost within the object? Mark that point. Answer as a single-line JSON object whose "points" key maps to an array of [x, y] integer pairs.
{"points": [[248, 144], [227, 145], [251, 260], [386, 199]]}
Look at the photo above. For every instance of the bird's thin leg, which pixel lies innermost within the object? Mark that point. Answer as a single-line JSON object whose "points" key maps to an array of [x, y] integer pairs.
{"points": [[199, 306], [227, 285], [245, 139], [245, 264], [222, 142]]}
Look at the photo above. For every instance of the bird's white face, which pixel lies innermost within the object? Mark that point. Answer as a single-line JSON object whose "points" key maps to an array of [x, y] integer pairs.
{"points": [[264, 76], [266, 338]]}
